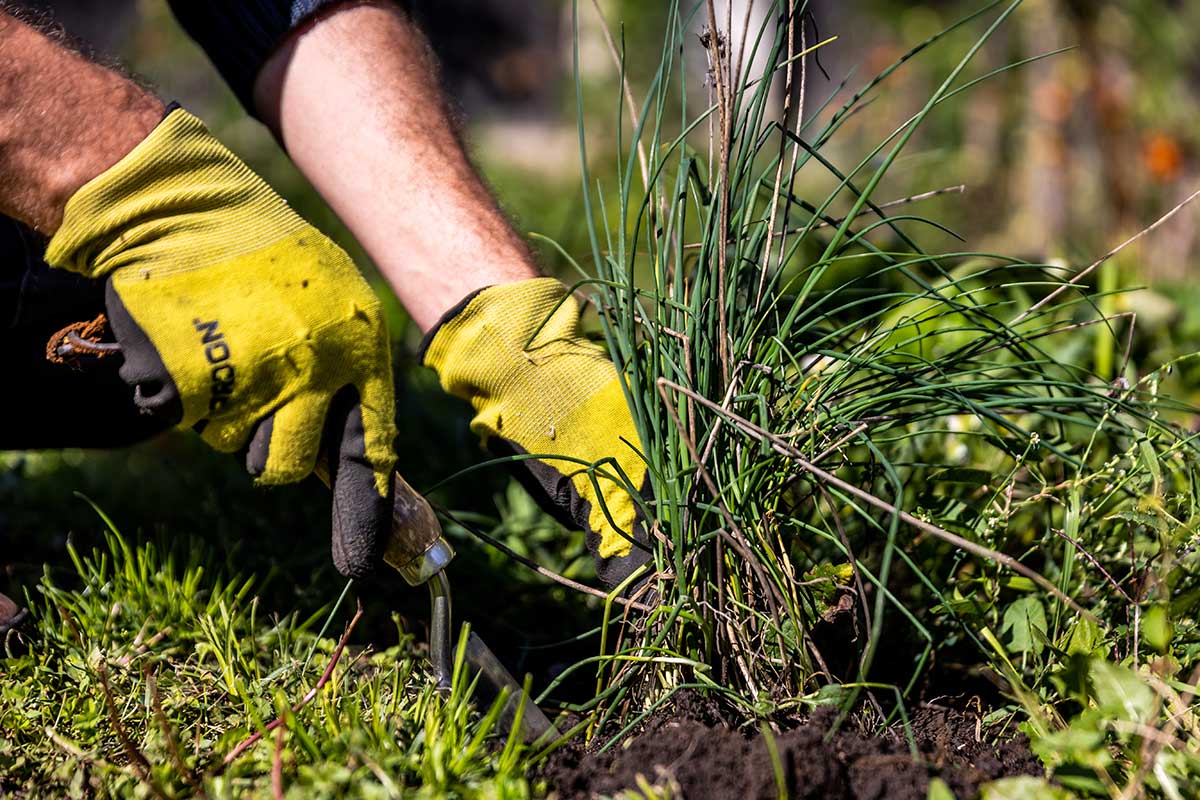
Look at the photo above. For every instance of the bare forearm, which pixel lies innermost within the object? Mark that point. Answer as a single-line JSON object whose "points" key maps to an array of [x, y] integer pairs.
{"points": [[355, 100], [63, 121]]}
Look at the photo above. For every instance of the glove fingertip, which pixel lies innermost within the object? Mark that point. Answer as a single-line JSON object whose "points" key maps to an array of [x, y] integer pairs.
{"points": [[260, 447], [361, 500]]}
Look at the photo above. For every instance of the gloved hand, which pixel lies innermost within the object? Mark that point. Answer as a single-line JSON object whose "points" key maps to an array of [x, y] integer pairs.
{"points": [[561, 395], [237, 317]]}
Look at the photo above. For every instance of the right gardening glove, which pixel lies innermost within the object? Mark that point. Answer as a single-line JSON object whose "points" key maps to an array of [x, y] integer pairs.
{"points": [[238, 318], [557, 395]]}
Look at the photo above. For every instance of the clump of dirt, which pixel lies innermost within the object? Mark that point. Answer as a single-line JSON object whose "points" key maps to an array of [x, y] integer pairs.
{"points": [[693, 748]]}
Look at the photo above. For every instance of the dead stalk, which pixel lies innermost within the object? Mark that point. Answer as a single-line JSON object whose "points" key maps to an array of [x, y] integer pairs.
{"points": [[724, 111], [1077, 277], [137, 760], [628, 91], [168, 733], [783, 140]]}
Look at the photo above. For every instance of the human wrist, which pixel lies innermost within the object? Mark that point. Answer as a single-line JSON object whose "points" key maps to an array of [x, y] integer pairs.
{"points": [[63, 121], [85, 158]]}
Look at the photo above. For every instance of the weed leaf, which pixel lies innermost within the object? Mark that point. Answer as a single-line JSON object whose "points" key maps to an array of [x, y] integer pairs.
{"points": [[1025, 622]]}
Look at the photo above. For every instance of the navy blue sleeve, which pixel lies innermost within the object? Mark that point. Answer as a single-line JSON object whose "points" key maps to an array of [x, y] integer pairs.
{"points": [[240, 35]]}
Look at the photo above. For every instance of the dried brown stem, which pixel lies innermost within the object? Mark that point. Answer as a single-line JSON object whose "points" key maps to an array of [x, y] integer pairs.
{"points": [[73, 750], [140, 647], [137, 761], [1092, 560], [628, 91], [169, 734], [724, 111], [765, 267], [277, 764], [1077, 277]]}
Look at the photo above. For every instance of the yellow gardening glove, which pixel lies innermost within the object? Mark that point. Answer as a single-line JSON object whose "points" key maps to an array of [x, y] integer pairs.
{"points": [[239, 318], [557, 395]]}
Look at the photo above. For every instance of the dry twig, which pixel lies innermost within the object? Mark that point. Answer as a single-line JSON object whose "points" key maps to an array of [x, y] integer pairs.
{"points": [[1083, 273], [169, 734], [137, 760]]}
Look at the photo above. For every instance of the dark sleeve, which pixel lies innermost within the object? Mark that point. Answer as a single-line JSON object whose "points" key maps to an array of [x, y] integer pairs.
{"points": [[240, 35]]}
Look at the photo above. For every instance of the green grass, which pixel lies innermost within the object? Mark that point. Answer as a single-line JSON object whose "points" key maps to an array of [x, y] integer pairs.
{"points": [[144, 678]]}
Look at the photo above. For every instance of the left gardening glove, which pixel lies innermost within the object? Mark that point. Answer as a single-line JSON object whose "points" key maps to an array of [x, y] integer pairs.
{"points": [[539, 387], [237, 317]]}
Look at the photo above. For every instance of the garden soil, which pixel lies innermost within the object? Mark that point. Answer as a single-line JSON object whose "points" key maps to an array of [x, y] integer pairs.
{"points": [[692, 749]]}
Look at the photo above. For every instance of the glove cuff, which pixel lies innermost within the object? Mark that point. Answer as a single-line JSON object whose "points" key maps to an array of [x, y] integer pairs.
{"points": [[478, 344], [179, 179], [446, 318]]}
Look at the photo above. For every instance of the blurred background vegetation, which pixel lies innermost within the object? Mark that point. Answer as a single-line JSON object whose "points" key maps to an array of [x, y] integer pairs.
{"points": [[1061, 159]]}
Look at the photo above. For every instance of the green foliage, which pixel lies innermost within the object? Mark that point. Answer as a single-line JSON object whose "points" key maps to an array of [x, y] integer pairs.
{"points": [[1023, 788], [819, 382], [938, 790], [144, 677], [1025, 621], [835, 400]]}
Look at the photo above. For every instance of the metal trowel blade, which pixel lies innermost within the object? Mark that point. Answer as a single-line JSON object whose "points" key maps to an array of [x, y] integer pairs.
{"points": [[494, 678]]}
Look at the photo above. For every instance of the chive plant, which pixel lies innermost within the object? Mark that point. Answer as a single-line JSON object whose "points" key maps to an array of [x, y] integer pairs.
{"points": [[830, 409]]}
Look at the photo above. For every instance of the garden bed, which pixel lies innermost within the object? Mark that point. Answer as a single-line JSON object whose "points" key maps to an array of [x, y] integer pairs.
{"points": [[692, 750]]}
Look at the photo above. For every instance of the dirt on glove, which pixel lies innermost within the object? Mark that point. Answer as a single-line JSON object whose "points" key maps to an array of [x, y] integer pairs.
{"points": [[693, 750]]}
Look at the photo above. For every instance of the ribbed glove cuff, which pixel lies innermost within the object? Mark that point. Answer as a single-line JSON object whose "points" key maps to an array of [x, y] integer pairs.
{"points": [[178, 179]]}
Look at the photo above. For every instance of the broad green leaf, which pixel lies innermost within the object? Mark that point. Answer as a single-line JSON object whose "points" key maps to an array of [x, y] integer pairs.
{"points": [[831, 694], [841, 573], [1025, 623], [1019, 583], [938, 790], [1085, 637], [1082, 742], [1120, 692], [1150, 462], [1157, 628], [1024, 787]]}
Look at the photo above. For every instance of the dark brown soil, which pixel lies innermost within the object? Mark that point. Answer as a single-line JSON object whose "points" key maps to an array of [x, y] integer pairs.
{"points": [[706, 758]]}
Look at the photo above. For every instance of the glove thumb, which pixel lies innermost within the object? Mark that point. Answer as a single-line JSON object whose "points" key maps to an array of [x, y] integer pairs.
{"points": [[361, 516]]}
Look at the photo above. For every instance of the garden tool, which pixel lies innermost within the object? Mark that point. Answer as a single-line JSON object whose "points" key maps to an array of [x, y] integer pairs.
{"points": [[415, 548]]}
